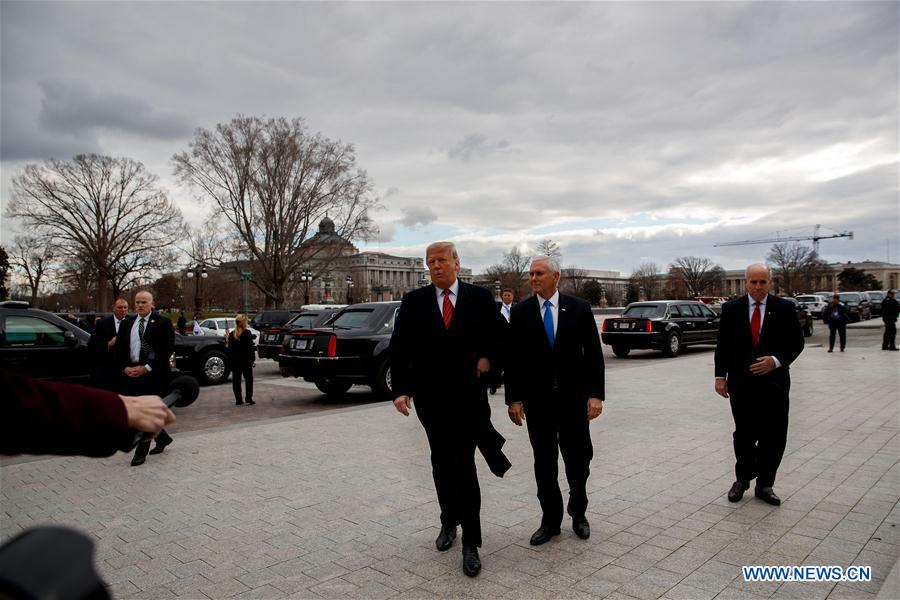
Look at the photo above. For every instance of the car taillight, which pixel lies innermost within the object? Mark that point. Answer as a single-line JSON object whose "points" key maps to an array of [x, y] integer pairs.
{"points": [[649, 326], [603, 327], [332, 346]]}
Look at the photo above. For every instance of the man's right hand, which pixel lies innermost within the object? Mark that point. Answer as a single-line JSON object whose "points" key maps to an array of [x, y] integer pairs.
{"points": [[516, 413], [403, 404], [722, 387], [147, 413]]}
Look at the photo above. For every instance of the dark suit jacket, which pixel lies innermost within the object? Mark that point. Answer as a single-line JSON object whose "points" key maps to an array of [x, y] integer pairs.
{"points": [[159, 336], [430, 361], [780, 337], [843, 317], [105, 371], [572, 371], [40, 417]]}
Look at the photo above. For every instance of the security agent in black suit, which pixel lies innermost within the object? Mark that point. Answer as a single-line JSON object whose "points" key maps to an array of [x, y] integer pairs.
{"points": [[555, 378], [759, 338], [446, 337], [102, 344], [143, 346]]}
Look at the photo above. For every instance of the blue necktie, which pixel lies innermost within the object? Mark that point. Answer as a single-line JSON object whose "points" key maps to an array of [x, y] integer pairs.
{"points": [[548, 322]]}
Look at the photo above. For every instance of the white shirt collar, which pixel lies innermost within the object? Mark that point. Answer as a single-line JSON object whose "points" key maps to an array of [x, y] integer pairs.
{"points": [[454, 288], [554, 299]]}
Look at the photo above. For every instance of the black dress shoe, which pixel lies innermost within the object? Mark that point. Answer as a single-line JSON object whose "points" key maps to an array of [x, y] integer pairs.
{"points": [[137, 461], [250, 402], [767, 495], [471, 562], [581, 527], [543, 535], [445, 538], [894, 349], [238, 402], [160, 446], [737, 491]]}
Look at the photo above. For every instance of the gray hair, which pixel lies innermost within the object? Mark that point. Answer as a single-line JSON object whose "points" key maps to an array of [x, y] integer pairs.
{"points": [[551, 261], [758, 266]]}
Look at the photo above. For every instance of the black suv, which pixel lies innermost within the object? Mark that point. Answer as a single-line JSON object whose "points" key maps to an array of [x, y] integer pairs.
{"points": [[40, 344], [352, 349], [273, 318]]}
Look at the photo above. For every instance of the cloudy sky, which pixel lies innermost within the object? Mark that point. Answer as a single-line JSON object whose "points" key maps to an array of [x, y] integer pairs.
{"points": [[625, 132]]}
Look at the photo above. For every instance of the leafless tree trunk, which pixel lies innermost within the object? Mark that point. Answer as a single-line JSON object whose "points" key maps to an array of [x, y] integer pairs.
{"points": [[109, 211], [572, 280], [274, 182], [34, 260], [646, 277], [795, 266], [701, 276]]}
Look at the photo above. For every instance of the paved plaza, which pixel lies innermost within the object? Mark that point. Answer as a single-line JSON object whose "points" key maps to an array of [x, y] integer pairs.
{"points": [[340, 503]]}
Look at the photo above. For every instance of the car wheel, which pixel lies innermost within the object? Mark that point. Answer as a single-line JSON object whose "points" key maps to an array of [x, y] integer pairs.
{"points": [[673, 344], [382, 384], [808, 330], [332, 388], [213, 368], [621, 351]]}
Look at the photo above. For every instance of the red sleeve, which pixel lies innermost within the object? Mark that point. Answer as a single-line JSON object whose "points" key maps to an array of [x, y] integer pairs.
{"points": [[41, 417]]}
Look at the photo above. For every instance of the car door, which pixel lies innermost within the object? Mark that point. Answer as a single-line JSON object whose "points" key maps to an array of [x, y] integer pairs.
{"points": [[209, 327], [682, 320], [38, 348], [711, 324]]}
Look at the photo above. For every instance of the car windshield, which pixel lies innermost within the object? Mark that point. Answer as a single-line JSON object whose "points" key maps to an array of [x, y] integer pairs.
{"points": [[876, 296], [808, 299], [352, 318], [645, 311], [272, 316], [304, 319], [849, 297]]}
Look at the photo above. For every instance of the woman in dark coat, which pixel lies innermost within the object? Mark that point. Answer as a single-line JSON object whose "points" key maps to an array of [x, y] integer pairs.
{"points": [[242, 356]]}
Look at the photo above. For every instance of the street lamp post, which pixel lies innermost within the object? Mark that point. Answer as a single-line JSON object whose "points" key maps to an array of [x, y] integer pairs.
{"points": [[349, 289], [306, 278], [245, 284], [199, 272]]}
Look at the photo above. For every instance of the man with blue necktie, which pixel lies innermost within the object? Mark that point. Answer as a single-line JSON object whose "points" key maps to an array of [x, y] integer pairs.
{"points": [[555, 378]]}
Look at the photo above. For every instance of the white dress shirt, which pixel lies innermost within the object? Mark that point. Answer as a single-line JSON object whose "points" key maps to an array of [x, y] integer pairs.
{"points": [[506, 311], [554, 308], [454, 292], [136, 339]]}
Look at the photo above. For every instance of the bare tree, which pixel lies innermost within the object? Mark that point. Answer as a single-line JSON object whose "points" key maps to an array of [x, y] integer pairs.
{"points": [[548, 247], [646, 277], [109, 211], [33, 259], [512, 272], [700, 276], [274, 181], [4, 273], [796, 267], [572, 280]]}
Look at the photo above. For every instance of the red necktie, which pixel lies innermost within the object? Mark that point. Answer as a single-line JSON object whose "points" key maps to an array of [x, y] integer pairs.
{"points": [[754, 323], [447, 309]]}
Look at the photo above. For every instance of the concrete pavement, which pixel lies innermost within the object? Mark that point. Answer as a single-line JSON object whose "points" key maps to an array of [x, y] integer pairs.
{"points": [[340, 504]]}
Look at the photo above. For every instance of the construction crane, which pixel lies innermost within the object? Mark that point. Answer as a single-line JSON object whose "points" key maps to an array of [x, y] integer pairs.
{"points": [[815, 237]]}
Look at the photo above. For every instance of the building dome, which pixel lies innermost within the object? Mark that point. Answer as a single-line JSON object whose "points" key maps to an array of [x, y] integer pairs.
{"points": [[326, 226]]}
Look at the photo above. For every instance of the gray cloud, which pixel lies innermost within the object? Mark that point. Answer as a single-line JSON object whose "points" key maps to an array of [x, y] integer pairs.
{"points": [[417, 216], [474, 145]]}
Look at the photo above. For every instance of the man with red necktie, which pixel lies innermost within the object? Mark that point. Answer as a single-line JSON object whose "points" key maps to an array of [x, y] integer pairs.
{"points": [[447, 338], [759, 338]]}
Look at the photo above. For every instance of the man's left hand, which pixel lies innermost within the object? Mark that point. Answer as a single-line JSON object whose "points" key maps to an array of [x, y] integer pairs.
{"points": [[484, 366], [594, 408], [763, 365], [136, 371]]}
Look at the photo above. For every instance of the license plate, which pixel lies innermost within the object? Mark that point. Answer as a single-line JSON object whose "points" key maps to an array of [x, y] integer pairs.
{"points": [[272, 337], [623, 325], [301, 344]]}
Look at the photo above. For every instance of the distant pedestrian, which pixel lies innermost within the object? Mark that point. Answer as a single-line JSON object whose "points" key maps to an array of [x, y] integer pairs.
{"points": [[242, 356], [197, 330], [506, 304], [835, 314], [182, 322], [890, 309]]}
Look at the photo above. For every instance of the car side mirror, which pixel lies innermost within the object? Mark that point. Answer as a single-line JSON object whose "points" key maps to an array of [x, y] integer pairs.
{"points": [[70, 340]]}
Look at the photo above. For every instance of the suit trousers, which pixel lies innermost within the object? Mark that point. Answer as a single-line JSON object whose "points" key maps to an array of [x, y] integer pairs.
{"points": [[760, 411], [455, 476], [552, 432], [890, 335], [841, 330], [143, 447], [245, 370]]}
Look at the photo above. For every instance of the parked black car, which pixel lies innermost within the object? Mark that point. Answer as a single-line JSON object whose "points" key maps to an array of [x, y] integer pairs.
{"points": [[272, 318], [858, 307], [874, 297], [40, 344], [271, 339], [804, 316], [352, 349], [667, 325]]}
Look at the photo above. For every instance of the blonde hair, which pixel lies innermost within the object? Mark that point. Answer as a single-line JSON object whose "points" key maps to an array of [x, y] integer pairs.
{"points": [[240, 325], [437, 247]]}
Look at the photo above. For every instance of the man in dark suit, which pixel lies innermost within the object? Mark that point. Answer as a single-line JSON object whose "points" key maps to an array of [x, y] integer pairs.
{"points": [[759, 338], [143, 346], [102, 342], [555, 378], [835, 315], [446, 337]]}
